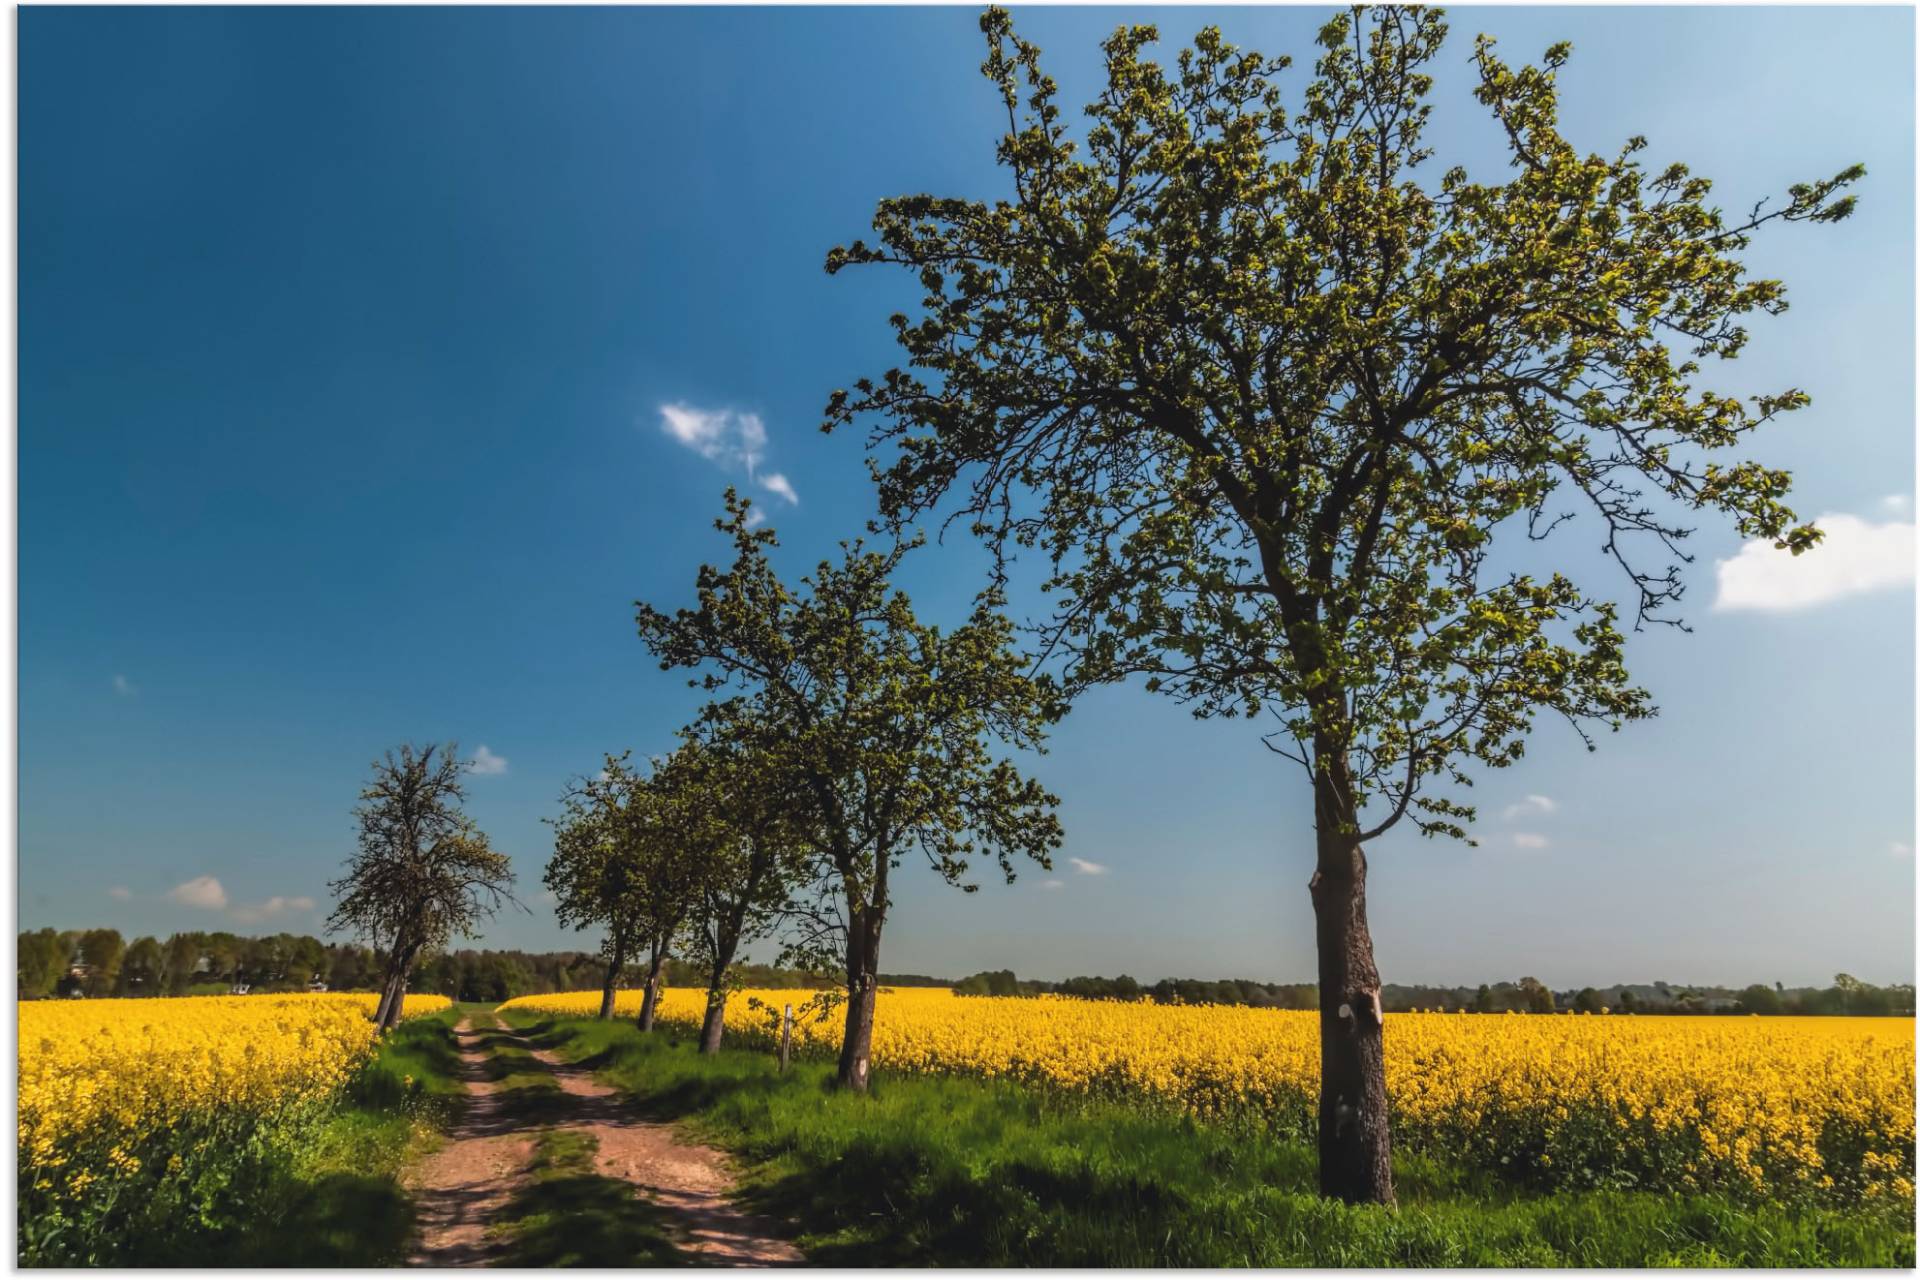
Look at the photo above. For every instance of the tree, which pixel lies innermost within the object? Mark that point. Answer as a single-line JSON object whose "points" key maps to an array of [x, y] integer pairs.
{"points": [[1761, 999], [1269, 400], [42, 961], [1588, 1001], [142, 970], [885, 728], [620, 862], [102, 950], [750, 857], [423, 872], [181, 956], [1535, 997]]}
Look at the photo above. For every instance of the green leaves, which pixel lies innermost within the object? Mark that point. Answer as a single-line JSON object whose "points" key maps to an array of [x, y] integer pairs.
{"points": [[867, 734], [1274, 407]]}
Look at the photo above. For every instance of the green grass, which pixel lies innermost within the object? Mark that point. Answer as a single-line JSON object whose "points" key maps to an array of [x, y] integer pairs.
{"points": [[569, 1216], [336, 1201], [959, 1172]]}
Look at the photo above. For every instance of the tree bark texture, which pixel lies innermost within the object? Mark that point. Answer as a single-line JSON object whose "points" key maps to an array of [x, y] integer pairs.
{"points": [[714, 1027], [616, 961], [1355, 1148], [650, 1001], [863, 965]]}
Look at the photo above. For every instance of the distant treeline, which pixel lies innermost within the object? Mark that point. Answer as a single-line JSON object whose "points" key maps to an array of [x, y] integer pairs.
{"points": [[100, 962], [1847, 995]]}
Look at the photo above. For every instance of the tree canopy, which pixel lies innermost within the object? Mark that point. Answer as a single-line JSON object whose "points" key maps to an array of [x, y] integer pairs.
{"points": [[1276, 401], [884, 727]]}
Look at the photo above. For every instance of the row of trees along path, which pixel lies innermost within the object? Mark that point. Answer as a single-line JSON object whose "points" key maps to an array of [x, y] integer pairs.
{"points": [[1275, 404]]}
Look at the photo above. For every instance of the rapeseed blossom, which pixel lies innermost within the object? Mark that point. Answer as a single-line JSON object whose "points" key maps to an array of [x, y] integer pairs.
{"points": [[1764, 1108]]}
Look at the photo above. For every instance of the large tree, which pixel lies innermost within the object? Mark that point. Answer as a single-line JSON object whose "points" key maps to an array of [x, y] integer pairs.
{"points": [[886, 729], [1276, 399], [423, 872]]}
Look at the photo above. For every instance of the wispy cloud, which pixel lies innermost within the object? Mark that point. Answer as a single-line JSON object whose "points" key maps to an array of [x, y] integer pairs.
{"points": [[1529, 840], [1895, 503], [120, 893], [204, 892], [1053, 884], [733, 440], [774, 482], [1086, 868], [1530, 805], [1900, 849], [1856, 557], [486, 763], [271, 908], [123, 686]]}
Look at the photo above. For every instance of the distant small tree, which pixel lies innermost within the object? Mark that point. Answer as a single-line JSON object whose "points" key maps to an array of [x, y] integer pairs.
{"points": [[42, 961], [886, 728], [1760, 999], [1535, 995], [102, 950], [423, 872], [1483, 999], [142, 969], [1588, 1001]]}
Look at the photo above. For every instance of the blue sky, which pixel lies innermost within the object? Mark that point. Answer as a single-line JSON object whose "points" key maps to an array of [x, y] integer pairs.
{"points": [[345, 340]]}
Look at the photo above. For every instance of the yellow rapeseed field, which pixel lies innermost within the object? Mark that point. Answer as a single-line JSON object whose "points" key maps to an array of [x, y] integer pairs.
{"points": [[1774, 1108], [103, 1081]]}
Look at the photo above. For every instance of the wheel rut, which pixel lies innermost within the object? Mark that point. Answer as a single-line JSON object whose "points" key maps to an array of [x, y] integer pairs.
{"points": [[461, 1190]]}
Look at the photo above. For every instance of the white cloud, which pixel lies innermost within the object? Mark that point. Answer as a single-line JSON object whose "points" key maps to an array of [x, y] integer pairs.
{"points": [[1532, 804], [734, 440], [774, 482], [1053, 884], [1895, 503], [274, 906], [123, 686], [201, 891], [756, 517], [119, 893], [1900, 849], [486, 763], [1529, 840], [1086, 868], [1856, 556]]}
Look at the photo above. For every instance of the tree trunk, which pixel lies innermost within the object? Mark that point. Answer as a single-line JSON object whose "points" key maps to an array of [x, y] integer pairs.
{"points": [[715, 1025], [1355, 1150], [396, 1001], [615, 963], [380, 1019], [863, 964], [650, 1001]]}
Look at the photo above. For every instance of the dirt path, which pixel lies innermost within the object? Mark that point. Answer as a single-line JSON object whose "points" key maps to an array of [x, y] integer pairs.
{"points": [[690, 1182], [461, 1187]]}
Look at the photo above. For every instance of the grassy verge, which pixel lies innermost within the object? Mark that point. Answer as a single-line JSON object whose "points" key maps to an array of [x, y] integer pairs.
{"points": [[335, 1199], [933, 1170]]}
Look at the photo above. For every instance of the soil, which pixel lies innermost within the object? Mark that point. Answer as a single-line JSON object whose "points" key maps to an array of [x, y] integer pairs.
{"points": [[461, 1188]]}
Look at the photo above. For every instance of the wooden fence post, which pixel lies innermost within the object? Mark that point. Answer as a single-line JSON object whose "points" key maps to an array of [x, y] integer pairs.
{"points": [[786, 1037]]}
